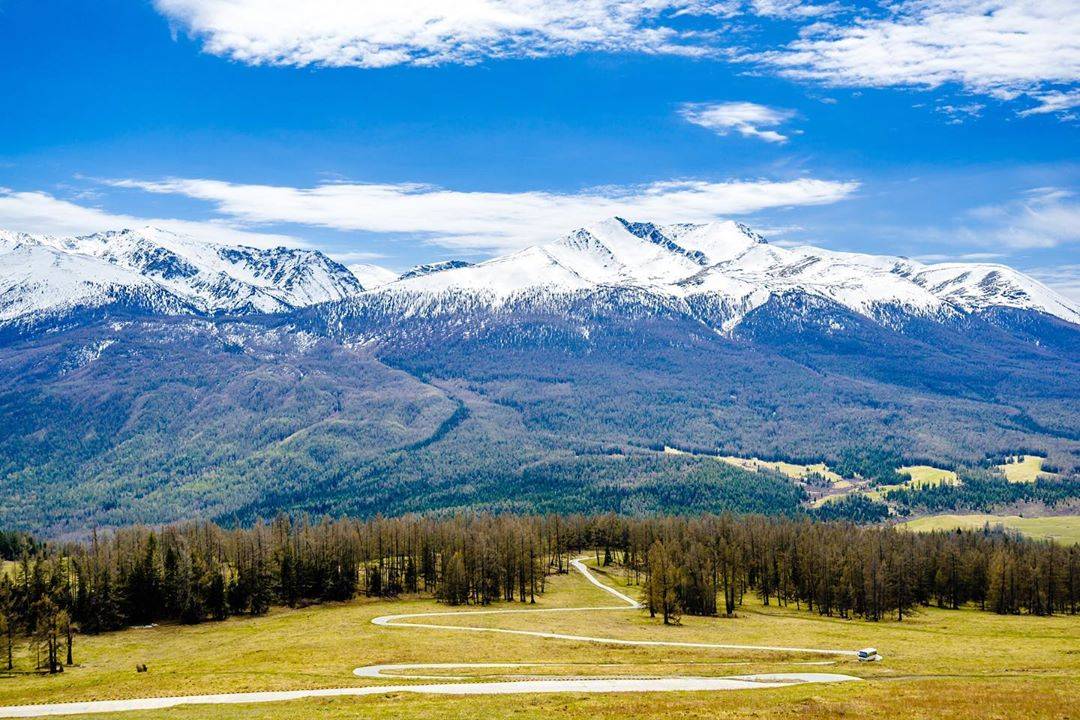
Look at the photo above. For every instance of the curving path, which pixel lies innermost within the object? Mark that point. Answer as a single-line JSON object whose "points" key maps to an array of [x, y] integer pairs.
{"points": [[629, 604], [461, 685]]}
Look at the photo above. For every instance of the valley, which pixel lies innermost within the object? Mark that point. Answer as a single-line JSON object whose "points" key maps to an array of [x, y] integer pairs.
{"points": [[1023, 664], [540, 359]]}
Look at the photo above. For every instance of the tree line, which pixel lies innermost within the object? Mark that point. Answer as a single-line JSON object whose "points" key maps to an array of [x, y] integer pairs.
{"points": [[702, 565], [710, 565]]}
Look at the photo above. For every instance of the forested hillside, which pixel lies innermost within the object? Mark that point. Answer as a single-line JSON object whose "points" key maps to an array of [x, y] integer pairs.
{"points": [[334, 410]]}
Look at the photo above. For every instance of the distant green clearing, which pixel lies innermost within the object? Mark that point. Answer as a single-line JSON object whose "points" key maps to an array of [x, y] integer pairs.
{"points": [[791, 470], [1065, 529], [924, 475], [1022, 468]]}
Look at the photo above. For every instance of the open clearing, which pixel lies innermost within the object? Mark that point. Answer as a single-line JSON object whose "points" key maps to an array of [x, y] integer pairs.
{"points": [[1025, 468], [791, 470], [938, 663], [1064, 529], [927, 475], [510, 685]]}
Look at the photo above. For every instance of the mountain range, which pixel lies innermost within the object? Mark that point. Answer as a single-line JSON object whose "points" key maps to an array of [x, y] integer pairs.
{"points": [[719, 271], [152, 377]]}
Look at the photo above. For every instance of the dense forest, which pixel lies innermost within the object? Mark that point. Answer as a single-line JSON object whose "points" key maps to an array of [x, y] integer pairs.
{"points": [[235, 419], [703, 565]]}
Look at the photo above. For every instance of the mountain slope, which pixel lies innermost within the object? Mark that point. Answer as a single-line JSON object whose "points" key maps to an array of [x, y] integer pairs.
{"points": [[372, 276], [718, 271], [161, 271], [548, 378], [726, 270], [37, 281]]}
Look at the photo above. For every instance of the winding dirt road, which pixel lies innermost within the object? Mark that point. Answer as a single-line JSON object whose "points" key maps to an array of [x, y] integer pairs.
{"points": [[628, 604], [462, 685]]}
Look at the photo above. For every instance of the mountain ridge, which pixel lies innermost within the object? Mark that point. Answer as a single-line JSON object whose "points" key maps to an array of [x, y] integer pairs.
{"points": [[725, 270], [173, 274], [724, 266]]}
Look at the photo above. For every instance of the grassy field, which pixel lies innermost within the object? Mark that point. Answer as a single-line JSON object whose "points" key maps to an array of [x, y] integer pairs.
{"points": [[1025, 468], [926, 475], [791, 470], [921, 476], [1065, 529], [953, 664]]}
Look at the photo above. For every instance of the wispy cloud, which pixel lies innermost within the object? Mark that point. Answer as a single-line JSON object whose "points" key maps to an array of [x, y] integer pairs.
{"points": [[1001, 48], [356, 256], [960, 257], [1054, 101], [998, 48], [43, 213], [1063, 278], [1043, 218], [490, 221], [432, 32], [746, 118], [789, 9], [958, 114]]}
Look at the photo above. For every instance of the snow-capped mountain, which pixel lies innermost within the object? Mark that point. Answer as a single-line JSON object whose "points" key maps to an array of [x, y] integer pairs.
{"points": [[718, 273], [160, 271], [37, 280], [721, 270], [372, 276]]}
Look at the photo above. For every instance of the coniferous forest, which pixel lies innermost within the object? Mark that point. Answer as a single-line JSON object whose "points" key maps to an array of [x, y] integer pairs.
{"points": [[705, 565]]}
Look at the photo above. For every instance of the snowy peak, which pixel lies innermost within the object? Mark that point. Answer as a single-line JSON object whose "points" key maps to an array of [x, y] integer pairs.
{"points": [[983, 286], [429, 268], [173, 271], [221, 278], [37, 280], [717, 241], [617, 252], [372, 276], [719, 272], [730, 269]]}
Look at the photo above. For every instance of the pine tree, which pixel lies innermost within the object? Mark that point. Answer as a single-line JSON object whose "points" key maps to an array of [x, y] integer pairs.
{"points": [[7, 618]]}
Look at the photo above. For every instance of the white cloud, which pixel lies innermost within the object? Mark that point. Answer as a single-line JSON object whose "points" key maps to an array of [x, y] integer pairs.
{"points": [[746, 118], [375, 33], [490, 221], [1002, 48], [1063, 278], [962, 257], [1054, 101], [1043, 218], [959, 113], [356, 256], [42, 213], [793, 8]]}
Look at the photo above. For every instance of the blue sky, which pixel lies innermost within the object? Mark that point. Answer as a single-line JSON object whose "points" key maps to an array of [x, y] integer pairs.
{"points": [[406, 132]]}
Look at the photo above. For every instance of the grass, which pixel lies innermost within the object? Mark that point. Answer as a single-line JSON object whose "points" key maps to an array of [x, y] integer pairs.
{"points": [[920, 476], [791, 470], [1022, 468], [1065, 529], [939, 663], [927, 475]]}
